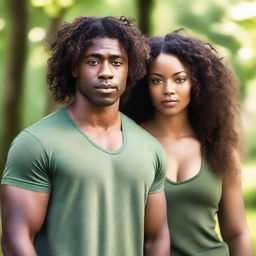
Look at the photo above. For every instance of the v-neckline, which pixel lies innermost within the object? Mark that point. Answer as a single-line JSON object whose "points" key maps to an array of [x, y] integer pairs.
{"points": [[112, 152], [189, 179]]}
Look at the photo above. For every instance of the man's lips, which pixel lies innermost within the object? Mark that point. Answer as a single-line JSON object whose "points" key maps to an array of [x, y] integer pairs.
{"points": [[105, 88]]}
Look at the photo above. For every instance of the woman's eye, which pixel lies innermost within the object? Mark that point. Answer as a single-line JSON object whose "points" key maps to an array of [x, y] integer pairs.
{"points": [[93, 62], [156, 81], [180, 80]]}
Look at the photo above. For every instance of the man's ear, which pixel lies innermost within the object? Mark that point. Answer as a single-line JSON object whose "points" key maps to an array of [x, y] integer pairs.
{"points": [[74, 72]]}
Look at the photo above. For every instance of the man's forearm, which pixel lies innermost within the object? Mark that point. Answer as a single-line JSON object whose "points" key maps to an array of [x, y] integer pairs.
{"points": [[156, 249], [159, 246]]}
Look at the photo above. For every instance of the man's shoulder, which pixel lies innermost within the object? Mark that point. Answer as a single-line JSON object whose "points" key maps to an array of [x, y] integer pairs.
{"points": [[50, 122], [135, 130], [45, 129], [42, 135], [134, 127]]}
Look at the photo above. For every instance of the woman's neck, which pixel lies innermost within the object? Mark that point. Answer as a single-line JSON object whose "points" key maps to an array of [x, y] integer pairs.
{"points": [[176, 126]]}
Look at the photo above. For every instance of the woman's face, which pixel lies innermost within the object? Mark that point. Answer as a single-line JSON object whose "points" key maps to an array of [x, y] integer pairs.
{"points": [[169, 85]]}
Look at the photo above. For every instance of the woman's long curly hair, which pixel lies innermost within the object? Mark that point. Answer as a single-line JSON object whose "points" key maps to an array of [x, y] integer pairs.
{"points": [[68, 46], [213, 111]]}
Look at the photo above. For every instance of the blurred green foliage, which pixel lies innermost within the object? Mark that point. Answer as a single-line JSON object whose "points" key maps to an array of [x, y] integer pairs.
{"points": [[250, 198], [251, 219], [53, 7]]}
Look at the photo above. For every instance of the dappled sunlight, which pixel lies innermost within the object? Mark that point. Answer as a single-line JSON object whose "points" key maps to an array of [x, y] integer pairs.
{"points": [[37, 58], [245, 10], [65, 3], [161, 16], [251, 220], [62, 3], [249, 102], [39, 2], [112, 2], [199, 7], [249, 176], [246, 53], [53, 7], [2, 24], [224, 52], [228, 27], [36, 34]]}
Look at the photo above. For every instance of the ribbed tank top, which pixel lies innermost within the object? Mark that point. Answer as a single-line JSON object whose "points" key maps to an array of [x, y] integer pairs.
{"points": [[192, 206]]}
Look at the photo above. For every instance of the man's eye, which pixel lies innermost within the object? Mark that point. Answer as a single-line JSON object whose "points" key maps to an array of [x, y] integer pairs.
{"points": [[117, 63], [180, 80], [93, 62], [156, 81]]}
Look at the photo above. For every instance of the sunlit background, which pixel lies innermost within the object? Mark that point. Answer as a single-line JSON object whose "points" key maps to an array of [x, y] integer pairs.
{"points": [[229, 24]]}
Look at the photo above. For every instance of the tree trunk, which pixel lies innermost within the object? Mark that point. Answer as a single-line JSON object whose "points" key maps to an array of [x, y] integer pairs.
{"points": [[55, 23], [144, 15], [14, 81]]}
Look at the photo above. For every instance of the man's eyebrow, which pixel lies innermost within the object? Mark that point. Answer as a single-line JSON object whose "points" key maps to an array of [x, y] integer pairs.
{"points": [[95, 55], [117, 56], [98, 55]]}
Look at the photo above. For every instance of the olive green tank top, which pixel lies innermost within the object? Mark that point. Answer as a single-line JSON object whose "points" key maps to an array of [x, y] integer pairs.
{"points": [[192, 206]]}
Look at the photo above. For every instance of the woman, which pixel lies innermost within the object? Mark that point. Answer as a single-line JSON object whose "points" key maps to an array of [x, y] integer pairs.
{"points": [[188, 101]]}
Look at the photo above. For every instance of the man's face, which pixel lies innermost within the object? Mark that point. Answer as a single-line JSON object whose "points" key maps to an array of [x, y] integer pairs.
{"points": [[102, 72]]}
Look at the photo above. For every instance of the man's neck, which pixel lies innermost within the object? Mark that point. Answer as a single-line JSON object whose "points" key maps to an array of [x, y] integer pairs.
{"points": [[101, 124], [89, 115]]}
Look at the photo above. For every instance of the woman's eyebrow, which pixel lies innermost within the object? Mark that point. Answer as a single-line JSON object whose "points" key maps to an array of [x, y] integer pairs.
{"points": [[177, 73], [155, 74]]}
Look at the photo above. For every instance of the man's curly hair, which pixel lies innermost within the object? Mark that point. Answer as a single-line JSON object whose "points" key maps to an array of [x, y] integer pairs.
{"points": [[213, 111], [68, 46]]}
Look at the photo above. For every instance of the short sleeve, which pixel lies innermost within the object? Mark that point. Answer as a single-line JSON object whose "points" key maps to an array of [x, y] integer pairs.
{"points": [[27, 165], [160, 171]]}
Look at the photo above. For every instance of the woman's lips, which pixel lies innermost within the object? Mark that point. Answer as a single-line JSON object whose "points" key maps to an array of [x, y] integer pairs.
{"points": [[169, 103]]}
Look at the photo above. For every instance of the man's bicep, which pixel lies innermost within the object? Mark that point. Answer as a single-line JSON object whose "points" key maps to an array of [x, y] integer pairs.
{"points": [[155, 213], [27, 165], [23, 211], [160, 172]]}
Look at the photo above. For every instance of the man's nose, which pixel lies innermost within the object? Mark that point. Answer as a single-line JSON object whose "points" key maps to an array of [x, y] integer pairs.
{"points": [[169, 88], [105, 71]]}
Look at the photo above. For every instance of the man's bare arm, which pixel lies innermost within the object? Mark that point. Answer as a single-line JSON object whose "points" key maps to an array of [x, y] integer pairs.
{"points": [[23, 213], [157, 238]]}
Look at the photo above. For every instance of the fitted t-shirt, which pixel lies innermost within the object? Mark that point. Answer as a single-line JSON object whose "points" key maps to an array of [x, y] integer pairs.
{"points": [[97, 196], [191, 208]]}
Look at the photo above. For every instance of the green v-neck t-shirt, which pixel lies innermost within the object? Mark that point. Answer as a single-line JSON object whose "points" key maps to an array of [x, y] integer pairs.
{"points": [[97, 196], [191, 208]]}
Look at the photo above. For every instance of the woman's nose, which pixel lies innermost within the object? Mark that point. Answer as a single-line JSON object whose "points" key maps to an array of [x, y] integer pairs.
{"points": [[169, 88]]}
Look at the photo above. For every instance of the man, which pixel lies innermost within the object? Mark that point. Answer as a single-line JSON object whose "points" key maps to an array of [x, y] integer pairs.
{"points": [[86, 180]]}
